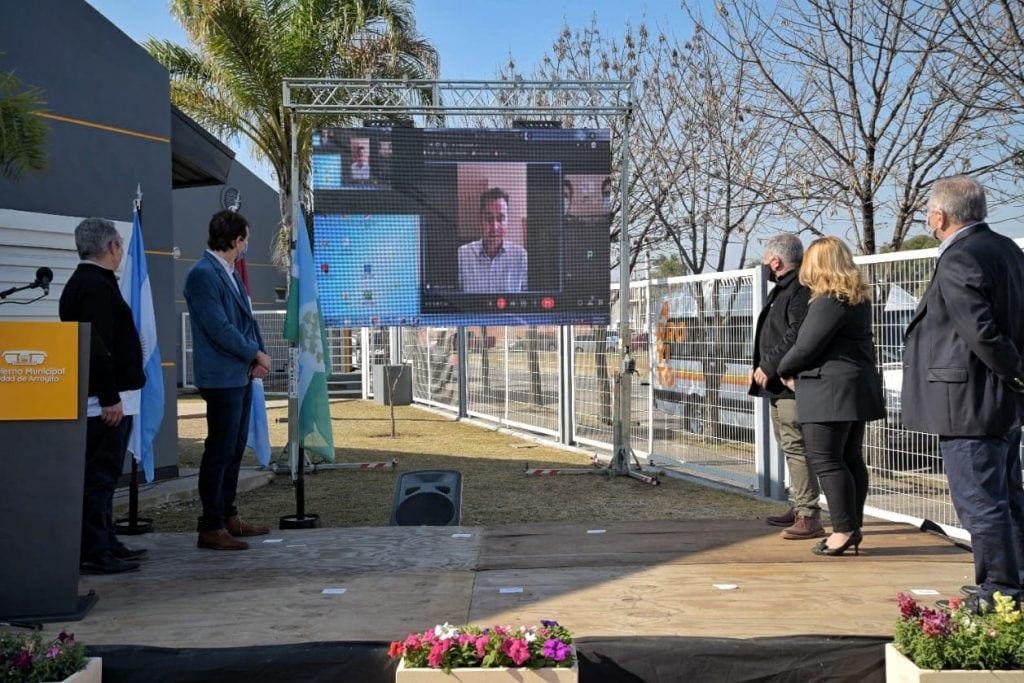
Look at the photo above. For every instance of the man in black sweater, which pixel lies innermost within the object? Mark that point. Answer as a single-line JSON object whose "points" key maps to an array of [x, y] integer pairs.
{"points": [[777, 327], [115, 375]]}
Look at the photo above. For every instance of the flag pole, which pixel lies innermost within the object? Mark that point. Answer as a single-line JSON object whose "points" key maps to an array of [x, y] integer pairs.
{"points": [[297, 456], [132, 525]]}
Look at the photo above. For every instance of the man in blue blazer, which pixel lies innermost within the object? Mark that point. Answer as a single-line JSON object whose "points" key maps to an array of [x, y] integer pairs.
{"points": [[227, 353], [963, 379]]}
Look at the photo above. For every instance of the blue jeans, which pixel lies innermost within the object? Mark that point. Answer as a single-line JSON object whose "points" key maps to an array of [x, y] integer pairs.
{"points": [[985, 484], [227, 427]]}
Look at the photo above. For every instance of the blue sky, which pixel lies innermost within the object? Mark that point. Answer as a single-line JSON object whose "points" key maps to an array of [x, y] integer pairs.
{"points": [[473, 37]]}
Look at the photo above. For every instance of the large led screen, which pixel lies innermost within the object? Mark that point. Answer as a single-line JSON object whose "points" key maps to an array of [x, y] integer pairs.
{"points": [[446, 227]]}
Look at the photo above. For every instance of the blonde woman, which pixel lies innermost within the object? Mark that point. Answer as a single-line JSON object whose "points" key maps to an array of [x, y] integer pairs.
{"points": [[831, 366]]}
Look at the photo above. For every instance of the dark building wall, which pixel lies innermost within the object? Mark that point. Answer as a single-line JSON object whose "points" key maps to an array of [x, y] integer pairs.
{"points": [[193, 208], [109, 108]]}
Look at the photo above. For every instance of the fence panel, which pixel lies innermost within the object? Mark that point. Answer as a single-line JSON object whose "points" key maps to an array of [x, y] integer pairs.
{"points": [[692, 340], [703, 417]]}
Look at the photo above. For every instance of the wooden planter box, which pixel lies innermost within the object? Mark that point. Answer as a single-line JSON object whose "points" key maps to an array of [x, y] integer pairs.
{"points": [[899, 669], [494, 675], [92, 673]]}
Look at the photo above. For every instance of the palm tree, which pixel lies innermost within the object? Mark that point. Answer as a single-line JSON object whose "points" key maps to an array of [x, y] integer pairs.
{"points": [[22, 133], [231, 81]]}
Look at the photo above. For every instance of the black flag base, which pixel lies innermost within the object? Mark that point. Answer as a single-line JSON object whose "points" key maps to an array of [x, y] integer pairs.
{"points": [[300, 520], [304, 522], [133, 525]]}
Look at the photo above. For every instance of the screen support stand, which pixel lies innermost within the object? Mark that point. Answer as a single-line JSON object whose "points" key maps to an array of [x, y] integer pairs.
{"points": [[624, 462]]}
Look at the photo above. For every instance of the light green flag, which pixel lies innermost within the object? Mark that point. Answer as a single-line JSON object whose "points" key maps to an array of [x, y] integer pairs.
{"points": [[304, 325]]}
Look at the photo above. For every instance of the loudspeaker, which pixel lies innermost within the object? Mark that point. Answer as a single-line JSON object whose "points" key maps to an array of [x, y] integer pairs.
{"points": [[427, 498]]}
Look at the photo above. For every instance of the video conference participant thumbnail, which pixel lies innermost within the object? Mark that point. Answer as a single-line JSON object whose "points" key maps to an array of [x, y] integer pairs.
{"points": [[490, 264]]}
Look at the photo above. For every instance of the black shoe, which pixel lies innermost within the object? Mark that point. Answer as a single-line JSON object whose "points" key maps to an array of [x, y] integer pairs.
{"points": [[107, 564], [968, 591], [973, 604], [123, 552], [854, 540]]}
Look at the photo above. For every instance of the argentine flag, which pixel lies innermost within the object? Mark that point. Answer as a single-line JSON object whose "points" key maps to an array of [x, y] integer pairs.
{"points": [[136, 291]]}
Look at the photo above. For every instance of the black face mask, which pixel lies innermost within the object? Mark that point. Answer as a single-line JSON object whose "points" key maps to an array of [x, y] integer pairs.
{"points": [[769, 274]]}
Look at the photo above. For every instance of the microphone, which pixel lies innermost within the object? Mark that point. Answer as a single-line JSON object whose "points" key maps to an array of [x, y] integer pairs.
{"points": [[44, 276]]}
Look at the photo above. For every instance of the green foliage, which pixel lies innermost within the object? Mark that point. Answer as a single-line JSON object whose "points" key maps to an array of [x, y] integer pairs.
{"points": [[22, 133], [667, 266], [230, 80], [24, 658], [955, 639], [919, 242]]}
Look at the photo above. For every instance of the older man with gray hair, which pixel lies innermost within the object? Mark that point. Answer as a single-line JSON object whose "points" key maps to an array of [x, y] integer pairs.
{"points": [[91, 295], [963, 379], [777, 327]]}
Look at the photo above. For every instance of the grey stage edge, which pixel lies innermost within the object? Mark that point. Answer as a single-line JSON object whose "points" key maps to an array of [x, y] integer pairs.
{"points": [[41, 512]]}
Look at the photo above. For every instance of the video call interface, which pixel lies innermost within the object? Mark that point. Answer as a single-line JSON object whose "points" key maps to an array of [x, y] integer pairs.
{"points": [[450, 227]]}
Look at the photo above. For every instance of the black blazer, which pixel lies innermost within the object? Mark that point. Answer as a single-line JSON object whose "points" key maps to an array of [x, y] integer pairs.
{"points": [[833, 361], [115, 357], [777, 327], [965, 344]]}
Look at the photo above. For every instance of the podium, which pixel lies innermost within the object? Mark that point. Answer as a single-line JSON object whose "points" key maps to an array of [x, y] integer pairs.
{"points": [[44, 380]]}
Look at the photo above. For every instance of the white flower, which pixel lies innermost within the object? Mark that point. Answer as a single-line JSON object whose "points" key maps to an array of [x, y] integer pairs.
{"points": [[530, 636], [445, 630]]}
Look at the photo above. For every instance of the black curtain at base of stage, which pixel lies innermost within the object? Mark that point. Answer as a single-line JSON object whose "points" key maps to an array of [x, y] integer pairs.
{"points": [[794, 659]]}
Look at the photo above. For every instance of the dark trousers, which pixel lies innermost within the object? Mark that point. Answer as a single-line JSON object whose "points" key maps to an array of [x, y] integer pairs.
{"points": [[104, 461], [985, 484], [835, 451], [227, 427]]}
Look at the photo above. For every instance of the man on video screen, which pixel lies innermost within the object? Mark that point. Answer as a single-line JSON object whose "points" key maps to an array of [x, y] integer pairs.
{"points": [[488, 264]]}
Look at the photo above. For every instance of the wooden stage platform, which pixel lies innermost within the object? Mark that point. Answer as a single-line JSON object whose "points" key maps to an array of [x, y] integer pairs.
{"points": [[621, 580]]}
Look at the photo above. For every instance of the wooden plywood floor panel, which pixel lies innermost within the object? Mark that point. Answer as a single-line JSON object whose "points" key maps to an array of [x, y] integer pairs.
{"points": [[632, 579]]}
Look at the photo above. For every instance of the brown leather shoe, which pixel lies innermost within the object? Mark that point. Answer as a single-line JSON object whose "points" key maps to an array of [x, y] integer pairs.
{"points": [[782, 520], [237, 528], [804, 528], [219, 539]]}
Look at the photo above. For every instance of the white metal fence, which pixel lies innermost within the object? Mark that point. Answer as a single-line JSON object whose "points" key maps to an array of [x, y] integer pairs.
{"points": [[692, 339]]}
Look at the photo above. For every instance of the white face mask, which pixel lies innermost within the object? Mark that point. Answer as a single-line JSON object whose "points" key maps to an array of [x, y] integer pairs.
{"points": [[932, 232]]}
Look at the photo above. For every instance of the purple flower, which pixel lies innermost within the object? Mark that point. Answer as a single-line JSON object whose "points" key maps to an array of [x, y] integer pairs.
{"points": [[22, 660], [66, 637], [934, 623], [556, 650], [548, 624], [53, 652]]}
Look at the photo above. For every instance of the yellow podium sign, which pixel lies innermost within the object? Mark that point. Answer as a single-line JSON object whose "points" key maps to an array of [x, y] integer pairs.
{"points": [[38, 371]]}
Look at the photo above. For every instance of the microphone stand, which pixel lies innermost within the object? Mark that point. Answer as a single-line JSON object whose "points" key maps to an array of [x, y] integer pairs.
{"points": [[7, 292]]}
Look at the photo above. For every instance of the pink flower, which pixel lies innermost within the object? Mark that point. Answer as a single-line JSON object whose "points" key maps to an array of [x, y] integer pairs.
{"points": [[481, 645], [517, 649], [53, 652], [413, 642], [955, 603], [437, 651], [465, 638]]}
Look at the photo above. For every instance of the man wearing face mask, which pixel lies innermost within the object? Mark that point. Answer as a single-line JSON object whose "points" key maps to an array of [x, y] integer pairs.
{"points": [[776, 331], [963, 379], [227, 353]]}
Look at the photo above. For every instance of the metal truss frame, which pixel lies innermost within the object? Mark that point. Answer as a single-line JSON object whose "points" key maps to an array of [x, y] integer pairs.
{"points": [[435, 101]]}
